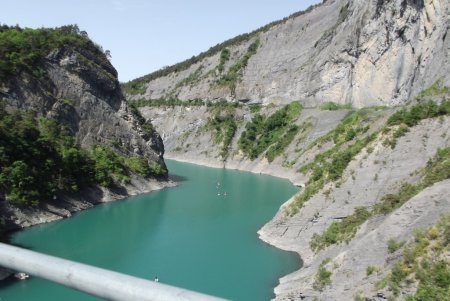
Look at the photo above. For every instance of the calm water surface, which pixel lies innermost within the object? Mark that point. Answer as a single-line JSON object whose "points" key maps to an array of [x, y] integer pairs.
{"points": [[200, 235]]}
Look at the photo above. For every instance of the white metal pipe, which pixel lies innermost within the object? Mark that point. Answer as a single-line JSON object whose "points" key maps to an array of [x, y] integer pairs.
{"points": [[99, 282]]}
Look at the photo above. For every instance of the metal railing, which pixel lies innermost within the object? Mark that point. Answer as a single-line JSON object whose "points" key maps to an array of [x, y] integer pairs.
{"points": [[98, 282]]}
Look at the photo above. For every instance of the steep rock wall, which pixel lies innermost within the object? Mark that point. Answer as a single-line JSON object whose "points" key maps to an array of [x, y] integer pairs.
{"points": [[347, 51], [78, 87], [82, 93]]}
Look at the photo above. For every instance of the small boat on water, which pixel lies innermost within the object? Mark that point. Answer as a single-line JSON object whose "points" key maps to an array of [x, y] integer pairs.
{"points": [[21, 276]]}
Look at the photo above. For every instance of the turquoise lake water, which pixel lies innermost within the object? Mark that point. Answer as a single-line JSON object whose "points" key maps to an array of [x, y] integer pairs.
{"points": [[200, 235]]}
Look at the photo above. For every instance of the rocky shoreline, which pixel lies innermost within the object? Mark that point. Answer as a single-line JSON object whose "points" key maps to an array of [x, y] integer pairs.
{"points": [[65, 206], [263, 232], [16, 218]]}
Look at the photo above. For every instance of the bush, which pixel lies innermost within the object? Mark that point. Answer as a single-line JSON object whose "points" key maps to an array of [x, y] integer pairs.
{"points": [[419, 112], [38, 158], [224, 57], [371, 269], [341, 231], [394, 245], [224, 127], [323, 276], [426, 263], [261, 133]]}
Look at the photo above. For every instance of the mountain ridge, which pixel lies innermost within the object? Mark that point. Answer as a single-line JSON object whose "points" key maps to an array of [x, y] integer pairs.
{"points": [[333, 52]]}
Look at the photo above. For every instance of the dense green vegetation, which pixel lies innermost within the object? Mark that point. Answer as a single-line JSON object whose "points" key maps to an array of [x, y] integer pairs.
{"points": [[136, 86], [277, 149], [24, 49], [393, 245], [224, 128], [39, 159], [277, 131], [424, 263]]}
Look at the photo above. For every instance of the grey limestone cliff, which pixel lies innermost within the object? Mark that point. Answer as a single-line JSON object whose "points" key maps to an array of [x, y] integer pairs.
{"points": [[374, 52]]}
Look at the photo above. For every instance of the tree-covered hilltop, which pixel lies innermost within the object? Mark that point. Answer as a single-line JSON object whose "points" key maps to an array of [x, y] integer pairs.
{"points": [[58, 89], [23, 49]]}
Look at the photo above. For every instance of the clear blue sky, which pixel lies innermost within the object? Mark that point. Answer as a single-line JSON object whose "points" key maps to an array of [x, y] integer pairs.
{"points": [[145, 35]]}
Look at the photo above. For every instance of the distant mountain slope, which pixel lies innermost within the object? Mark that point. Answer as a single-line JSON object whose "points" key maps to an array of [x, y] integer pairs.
{"points": [[373, 52]]}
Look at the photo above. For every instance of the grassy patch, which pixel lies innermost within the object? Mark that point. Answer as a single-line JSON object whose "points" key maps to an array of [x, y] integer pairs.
{"points": [[278, 148], [372, 269], [345, 131], [326, 167], [323, 276], [329, 165], [235, 71], [340, 231], [437, 169], [436, 89], [393, 245], [224, 57], [276, 131]]}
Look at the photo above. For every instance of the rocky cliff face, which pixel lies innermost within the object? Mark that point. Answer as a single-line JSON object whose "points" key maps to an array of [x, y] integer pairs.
{"points": [[82, 93], [76, 85], [374, 52]]}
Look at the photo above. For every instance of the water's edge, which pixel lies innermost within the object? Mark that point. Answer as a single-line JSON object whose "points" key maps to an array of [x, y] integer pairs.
{"points": [[263, 234], [87, 199], [43, 216]]}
